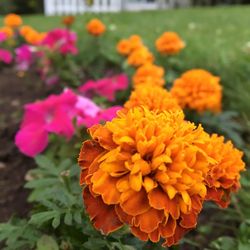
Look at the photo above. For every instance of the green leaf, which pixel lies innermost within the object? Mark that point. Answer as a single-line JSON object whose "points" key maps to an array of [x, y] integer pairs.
{"points": [[56, 221], [68, 218], [94, 243], [39, 218], [47, 243]]}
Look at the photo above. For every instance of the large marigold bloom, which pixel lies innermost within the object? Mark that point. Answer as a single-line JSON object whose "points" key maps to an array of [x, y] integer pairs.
{"points": [[145, 170], [169, 43], [154, 98], [149, 73], [95, 27], [140, 56], [223, 177], [13, 20], [199, 90]]}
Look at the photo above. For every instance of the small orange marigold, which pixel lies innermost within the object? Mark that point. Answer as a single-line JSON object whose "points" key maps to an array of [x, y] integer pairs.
{"points": [[13, 20], [140, 56], [68, 20], [152, 97], [223, 177], [199, 90], [169, 43], [149, 73], [95, 27]]}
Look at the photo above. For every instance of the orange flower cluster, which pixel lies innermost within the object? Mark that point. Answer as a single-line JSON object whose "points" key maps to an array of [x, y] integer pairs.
{"points": [[223, 177], [153, 171], [30, 35], [199, 90], [95, 27], [137, 53], [154, 98], [169, 43], [149, 73], [13, 21]]}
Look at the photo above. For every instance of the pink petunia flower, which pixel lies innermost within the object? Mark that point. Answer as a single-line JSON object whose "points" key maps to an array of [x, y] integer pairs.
{"points": [[61, 40], [24, 57], [102, 116], [5, 56], [55, 114], [106, 87], [3, 37]]}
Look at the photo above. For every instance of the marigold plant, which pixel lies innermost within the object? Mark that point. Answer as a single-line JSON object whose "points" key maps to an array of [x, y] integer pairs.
{"points": [[152, 97], [13, 20], [199, 90], [140, 56], [149, 73], [68, 20], [95, 27], [223, 177], [146, 170], [169, 43]]}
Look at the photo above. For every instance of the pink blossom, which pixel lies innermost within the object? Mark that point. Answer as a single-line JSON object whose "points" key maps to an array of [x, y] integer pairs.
{"points": [[5, 56], [106, 87], [3, 37], [54, 114], [62, 40], [102, 116], [23, 57]]}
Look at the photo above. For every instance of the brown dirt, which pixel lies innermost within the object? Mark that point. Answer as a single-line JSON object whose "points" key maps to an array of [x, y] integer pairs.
{"points": [[15, 91]]}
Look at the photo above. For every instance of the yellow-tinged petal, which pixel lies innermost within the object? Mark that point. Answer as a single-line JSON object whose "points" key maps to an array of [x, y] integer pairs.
{"points": [[149, 184], [135, 181]]}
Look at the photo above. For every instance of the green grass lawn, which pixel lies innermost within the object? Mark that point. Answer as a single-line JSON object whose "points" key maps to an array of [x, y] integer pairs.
{"points": [[215, 38]]}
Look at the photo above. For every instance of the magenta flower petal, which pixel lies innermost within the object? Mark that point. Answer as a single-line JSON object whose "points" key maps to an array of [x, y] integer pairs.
{"points": [[31, 140], [5, 56]]}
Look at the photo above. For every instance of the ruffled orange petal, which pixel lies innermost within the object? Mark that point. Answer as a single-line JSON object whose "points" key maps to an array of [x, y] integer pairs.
{"points": [[189, 220], [150, 220], [158, 199], [105, 185], [103, 216], [154, 236], [134, 203], [102, 135], [125, 218], [179, 232], [139, 234], [168, 229]]}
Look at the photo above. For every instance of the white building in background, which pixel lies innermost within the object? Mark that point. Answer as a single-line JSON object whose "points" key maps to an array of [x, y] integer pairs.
{"points": [[62, 7]]}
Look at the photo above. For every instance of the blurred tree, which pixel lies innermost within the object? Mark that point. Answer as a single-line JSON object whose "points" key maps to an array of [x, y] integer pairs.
{"points": [[21, 6]]}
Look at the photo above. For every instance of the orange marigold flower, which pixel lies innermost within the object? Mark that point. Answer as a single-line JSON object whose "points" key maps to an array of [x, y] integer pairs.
{"points": [[126, 46], [123, 47], [13, 20], [223, 177], [95, 27], [68, 20], [149, 73], [169, 43], [34, 37], [24, 30], [135, 42], [7, 31], [147, 170], [140, 56], [199, 90], [152, 97]]}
